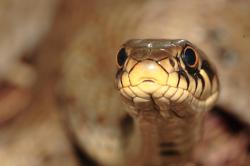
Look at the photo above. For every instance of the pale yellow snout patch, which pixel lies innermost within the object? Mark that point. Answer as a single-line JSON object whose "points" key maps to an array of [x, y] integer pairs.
{"points": [[148, 76], [149, 87]]}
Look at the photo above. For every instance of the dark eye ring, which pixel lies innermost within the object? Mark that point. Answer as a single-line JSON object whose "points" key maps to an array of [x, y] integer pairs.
{"points": [[121, 57], [190, 57]]}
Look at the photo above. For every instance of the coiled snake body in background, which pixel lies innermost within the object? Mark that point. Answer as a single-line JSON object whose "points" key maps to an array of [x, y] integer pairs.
{"points": [[169, 85]]}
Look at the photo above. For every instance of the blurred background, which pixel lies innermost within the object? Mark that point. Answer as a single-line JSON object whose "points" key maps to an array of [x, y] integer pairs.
{"points": [[57, 59]]}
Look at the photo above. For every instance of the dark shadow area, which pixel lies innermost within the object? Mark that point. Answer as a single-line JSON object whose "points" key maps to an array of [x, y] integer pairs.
{"points": [[84, 159], [233, 124]]}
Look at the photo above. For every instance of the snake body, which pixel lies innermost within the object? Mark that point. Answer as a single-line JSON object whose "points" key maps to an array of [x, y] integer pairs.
{"points": [[168, 85]]}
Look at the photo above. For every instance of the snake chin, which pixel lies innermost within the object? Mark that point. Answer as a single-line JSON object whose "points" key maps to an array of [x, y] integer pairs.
{"points": [[152, 96]]}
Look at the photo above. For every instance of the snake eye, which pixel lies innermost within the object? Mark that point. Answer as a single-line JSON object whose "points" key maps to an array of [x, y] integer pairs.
{"points": [[121, 57], [190, 57]]}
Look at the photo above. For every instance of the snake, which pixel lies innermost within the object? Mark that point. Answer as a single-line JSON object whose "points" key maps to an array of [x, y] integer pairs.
{"points": [[168, 87]]}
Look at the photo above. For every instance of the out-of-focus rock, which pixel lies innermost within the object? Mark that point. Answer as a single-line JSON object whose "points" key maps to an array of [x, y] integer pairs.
{"points": [[12, 100], [22, 26], [36, 137], [220, 147]]}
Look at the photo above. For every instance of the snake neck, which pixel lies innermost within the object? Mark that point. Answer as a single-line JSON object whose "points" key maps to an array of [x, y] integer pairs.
{"points": [[166, 141]]}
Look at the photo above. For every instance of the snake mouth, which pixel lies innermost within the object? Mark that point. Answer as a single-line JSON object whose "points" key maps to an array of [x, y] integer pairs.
{"points": [[149, 80]]}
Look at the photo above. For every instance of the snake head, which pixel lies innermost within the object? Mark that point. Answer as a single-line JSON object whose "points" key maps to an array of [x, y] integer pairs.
{"points": [[165, 75]]}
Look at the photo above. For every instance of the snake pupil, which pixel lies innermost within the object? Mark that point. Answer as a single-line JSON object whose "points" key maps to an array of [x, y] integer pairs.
{"points": [[121, 57], [189, 57]]}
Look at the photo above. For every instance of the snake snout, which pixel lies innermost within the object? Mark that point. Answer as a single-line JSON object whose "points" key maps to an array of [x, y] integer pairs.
{"points": [[148, 72], [148, 75]]}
